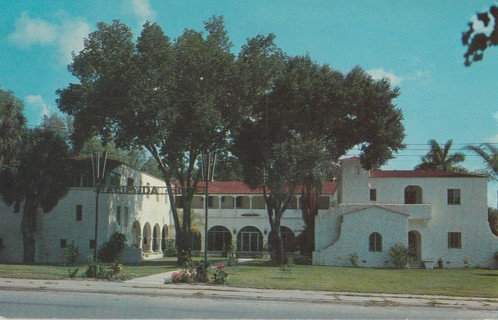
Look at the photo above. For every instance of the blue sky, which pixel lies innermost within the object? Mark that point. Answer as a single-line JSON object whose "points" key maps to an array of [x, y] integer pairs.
{"points": [[417, 44]]}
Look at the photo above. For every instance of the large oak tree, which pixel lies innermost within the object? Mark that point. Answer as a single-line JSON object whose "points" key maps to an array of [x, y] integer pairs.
{"points": [[175, 99]]}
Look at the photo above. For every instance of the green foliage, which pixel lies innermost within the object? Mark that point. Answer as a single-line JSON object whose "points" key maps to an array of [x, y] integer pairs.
{"points": [[493, 220], [354, 259], [220, 276], [101, 271], [191, 271], [69, 254], [72, 273], [111, 250], [170, 249], [440, 263], [286, 268], [12, 127], [400, 255], [489, 155], [439, 158]]}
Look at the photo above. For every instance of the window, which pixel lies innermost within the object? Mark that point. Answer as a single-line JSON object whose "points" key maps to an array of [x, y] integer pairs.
{"points": [[413, 195], [63, 243], [118, 215], [375, 242], [454, 240], [130, 182], [114, 179], [126, 217], [92, 244], [179, 202], [373, 194], [79, 212], [213, 202], [454, 196]]}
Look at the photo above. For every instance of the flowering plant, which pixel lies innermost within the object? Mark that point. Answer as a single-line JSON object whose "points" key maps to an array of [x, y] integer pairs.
{"points": [[220, 276], [177, 277]]}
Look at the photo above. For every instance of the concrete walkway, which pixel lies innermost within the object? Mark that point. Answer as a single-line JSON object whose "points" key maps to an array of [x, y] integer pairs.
{"points": [[154, 285]]}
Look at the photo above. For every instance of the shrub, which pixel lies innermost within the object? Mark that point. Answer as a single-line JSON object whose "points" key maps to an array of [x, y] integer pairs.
{"points": [[72, 273], [400, 255], [353, 258], [440, 263], [177, 277], [303, 260], [170, 249], [111, 250], [220, 276], [69, 254], [286, 267]]}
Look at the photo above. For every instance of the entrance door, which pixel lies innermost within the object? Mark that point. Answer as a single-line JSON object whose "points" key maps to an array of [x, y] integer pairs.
{"points": [[414, 244]]}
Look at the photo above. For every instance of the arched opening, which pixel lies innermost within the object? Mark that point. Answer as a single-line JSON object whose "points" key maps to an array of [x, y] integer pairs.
{"points": [[414, 244], [136, 234], [249, 239], [164, 237], [289, 240], [156, 238], [375, 242], [147, 238], [219, 239], [413, 195]]}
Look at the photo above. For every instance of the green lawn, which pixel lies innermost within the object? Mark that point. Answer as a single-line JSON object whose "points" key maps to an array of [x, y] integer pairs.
{"points": [[259, 274], [58, 272], [451, 282]]}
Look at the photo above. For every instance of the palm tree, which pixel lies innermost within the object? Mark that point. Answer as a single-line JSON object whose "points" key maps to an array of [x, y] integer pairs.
{"points": [[489, 154], [12, 125], [440, 159], [38, 178]]}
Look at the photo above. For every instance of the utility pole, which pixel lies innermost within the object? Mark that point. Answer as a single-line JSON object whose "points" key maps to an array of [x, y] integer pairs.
{"points": [[99, 161]]}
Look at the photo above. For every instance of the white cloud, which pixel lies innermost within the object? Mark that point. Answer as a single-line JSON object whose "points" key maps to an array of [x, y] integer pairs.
{"points": [[36, 105], [71, 37], [65, 32], [380, 73], [30, 31], [142, 10]]}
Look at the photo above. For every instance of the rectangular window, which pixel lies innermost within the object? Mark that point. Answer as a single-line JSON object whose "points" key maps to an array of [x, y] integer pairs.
{"points": [[63, 243], [454, 240], [323, 202], [373, 194], [79, 212], [118, 215], [126, 217], [454, 196], [92, 244], [130, 182], [114, 179], [179, 202]]}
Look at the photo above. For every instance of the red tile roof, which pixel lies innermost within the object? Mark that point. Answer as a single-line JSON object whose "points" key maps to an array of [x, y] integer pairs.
{"points": [[238, 187], [419, 174]]}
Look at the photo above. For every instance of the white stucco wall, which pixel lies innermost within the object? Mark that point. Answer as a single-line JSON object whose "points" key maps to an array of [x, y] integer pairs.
{"points": [[432, 219], [60, 223]]}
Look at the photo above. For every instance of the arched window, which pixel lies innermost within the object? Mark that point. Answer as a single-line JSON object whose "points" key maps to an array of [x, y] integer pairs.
{"points": [[375, 242], [249, 239], [219, 238], [413, 195]]}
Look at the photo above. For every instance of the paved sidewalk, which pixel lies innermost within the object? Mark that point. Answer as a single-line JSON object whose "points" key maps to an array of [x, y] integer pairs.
{"points": [[154, 285]]}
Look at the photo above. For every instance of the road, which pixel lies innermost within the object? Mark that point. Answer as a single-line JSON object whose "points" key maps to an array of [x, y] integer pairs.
{"points": [[26, 304]]}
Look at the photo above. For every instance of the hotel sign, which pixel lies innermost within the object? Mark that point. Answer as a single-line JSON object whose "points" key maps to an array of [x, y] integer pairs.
{"points": [[145, 190]]}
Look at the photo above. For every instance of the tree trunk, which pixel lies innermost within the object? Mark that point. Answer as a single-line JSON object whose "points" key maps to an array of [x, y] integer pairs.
{"points": [[28, 226], [280, 257], [309, 212]]}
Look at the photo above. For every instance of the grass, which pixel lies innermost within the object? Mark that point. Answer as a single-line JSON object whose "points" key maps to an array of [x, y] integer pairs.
{"points": [[59, 272], [260, 274], [449, 282]]}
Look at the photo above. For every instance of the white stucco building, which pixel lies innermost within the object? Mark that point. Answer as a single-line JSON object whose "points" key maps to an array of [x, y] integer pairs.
{"points": [[439, 215], [144, 217], [238, 215]]}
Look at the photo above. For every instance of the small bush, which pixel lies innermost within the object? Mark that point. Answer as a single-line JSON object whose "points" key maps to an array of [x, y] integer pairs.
{"points": [[111, 250], [69, 254], [170, 249], [286, 268], [353, 259], [400, 255], [72, 273], [440, 263], [220, 276]]}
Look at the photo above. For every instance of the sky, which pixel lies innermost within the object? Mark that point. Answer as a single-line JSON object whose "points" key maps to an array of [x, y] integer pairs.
{"points": [[416, 44]]}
